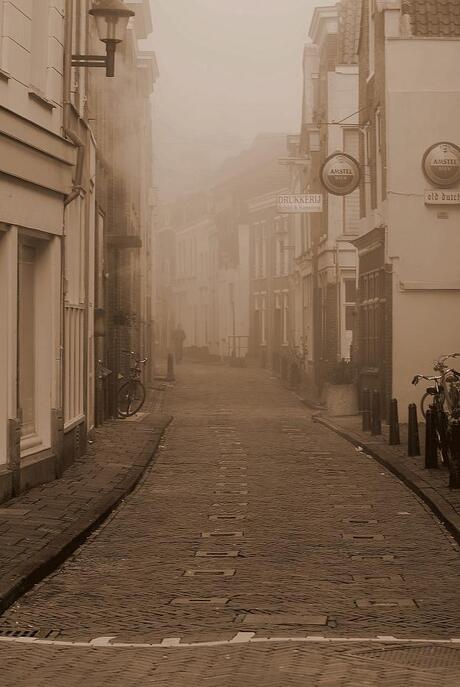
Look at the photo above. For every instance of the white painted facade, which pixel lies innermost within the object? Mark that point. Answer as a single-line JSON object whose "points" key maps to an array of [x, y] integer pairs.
{"points": [[36, 165], [51, 235], [422, 242], [211, 302]]}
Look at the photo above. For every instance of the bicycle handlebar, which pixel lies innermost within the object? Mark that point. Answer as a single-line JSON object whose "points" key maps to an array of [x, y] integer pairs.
{"points": [[417, 378], [441, 360], [137, 360]]}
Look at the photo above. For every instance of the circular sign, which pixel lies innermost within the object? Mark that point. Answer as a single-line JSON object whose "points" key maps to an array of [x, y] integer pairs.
{"points": [[441, 164], [340, 174]]}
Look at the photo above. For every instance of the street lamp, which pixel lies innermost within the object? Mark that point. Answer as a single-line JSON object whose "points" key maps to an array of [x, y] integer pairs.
{"points": [[111, 18]]}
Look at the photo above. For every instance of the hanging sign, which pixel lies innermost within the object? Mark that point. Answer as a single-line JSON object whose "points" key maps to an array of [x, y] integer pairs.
{"points": [[340, 174], [300, 202], [441, 164]]}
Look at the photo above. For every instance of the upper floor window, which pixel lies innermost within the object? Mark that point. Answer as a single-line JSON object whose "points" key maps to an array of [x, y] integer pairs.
{"points": [[39, 46], [371, 23]]}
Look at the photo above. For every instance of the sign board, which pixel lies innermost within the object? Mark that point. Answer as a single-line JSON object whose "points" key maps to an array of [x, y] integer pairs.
{"points": [[441, 164], [340, 174], [303, 202], [442, 197]]}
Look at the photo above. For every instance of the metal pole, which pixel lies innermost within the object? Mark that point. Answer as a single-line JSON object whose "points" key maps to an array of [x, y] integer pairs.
{"points": [[431, 448], [454, 463], [366, 411], [394, 438], [413, 440], [376, 422]]}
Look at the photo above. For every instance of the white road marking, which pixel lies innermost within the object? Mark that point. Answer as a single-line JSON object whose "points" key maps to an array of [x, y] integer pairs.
{"points": [[239, 638]]}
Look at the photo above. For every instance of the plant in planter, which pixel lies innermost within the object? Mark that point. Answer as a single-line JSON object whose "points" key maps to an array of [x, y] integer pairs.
{"points": [[340, 394]]}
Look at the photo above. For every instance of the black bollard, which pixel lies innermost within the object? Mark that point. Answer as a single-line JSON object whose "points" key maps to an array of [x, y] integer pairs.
{"points": [[454, 462], [366, 411], [394, 438], [431, 443], [170, 369], [413, 440], [263, 358], [376, 420]]}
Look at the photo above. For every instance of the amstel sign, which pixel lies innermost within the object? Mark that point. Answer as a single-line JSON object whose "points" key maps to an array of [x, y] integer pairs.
{"points": [[441, 164], [340, 174]]}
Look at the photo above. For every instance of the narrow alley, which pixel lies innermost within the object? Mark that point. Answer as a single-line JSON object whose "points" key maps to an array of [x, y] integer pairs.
{"points": [[259, 549]]}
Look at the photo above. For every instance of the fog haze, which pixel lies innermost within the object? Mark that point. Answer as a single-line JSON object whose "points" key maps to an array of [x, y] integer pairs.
{"points": [[228, 71]]}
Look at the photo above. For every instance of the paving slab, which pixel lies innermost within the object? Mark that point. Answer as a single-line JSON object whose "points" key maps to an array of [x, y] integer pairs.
{"points": [[430, 484]]}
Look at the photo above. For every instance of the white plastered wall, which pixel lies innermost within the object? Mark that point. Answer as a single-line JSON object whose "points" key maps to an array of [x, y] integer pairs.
{"points": [[423, 244]]}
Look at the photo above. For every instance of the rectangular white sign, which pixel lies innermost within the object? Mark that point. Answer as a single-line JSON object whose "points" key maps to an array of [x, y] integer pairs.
{"points": [[302, 202], [442, 197]]}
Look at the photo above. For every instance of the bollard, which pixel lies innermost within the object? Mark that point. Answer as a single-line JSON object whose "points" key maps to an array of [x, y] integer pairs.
{"points": [[431, 443], [376, 420], [366, 412], [454, 463], [394, 438], [170, 369], [413, 440], [263, 358]]}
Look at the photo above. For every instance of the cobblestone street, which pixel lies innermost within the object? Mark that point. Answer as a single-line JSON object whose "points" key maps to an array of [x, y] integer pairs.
{"points": [[279, 552]]}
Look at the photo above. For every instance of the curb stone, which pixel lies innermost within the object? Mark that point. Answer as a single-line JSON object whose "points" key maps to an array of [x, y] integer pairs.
{"points": [[437, 503], [48, 559]]}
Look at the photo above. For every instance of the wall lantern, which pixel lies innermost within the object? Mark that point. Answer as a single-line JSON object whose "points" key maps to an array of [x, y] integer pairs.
{"points": [[111, 18]]}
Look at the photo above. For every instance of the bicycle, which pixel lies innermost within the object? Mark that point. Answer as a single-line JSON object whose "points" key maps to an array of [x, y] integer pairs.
{"points": [[131, 394], [437, 402], [443, 397], [450, 381]]}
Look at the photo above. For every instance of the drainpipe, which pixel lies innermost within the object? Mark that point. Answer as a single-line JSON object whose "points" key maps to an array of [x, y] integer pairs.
{"points": [[67, 77], [77, 187]]}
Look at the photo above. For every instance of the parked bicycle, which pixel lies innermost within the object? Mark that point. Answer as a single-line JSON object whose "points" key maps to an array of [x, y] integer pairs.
{"points": [[434, 398], [131, 394], [443, 398]]}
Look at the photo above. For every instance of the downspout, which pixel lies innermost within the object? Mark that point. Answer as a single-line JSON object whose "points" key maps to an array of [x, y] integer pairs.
{"points": [[67, 132], [77, 187]]}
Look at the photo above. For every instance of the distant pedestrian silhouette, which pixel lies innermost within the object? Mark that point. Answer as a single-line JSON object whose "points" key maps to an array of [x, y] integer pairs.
{"points": [[178, 337]]}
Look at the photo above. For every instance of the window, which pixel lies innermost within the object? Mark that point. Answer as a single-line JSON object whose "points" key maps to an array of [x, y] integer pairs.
{"points": [[371, 317], [367, 166], [39, 46], [264, 250], [351, 203], [379, 142], [27, 337], [263, 319], [371, 11], [2, 26], [285, 323]]}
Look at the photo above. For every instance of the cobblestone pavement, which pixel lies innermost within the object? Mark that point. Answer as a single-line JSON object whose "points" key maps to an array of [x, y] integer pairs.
{"points": [[262, 532], [434, 483], [39, 528]]}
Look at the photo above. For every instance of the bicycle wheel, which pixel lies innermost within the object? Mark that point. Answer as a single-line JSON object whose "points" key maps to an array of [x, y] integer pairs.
{"points": [[131, 397], [425, 403], [428, 399]]}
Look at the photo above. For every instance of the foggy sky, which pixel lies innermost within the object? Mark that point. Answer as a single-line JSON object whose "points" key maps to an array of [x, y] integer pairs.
{"points": [[229, 69]]}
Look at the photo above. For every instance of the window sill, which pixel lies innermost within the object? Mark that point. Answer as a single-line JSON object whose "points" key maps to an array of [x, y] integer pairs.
{"points": [[4, 76], [41, 99], [30, 444]]}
